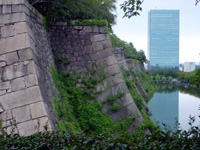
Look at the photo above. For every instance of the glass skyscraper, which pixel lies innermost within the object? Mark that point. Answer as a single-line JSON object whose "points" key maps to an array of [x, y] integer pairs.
{"points": [[163, 39]]}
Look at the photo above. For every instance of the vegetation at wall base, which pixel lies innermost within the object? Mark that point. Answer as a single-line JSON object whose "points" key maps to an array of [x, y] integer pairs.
{"points": [[157, 140], [138, 99], [79, 111]]}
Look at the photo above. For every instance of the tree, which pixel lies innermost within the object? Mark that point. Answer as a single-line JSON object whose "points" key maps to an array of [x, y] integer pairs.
{"points": [[131, 44], [64, 10], [142, 57], [132, 8], [157, 77]]}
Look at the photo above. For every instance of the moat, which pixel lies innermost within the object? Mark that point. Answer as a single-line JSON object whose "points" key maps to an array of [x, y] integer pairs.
{"points": [[171, 103]]}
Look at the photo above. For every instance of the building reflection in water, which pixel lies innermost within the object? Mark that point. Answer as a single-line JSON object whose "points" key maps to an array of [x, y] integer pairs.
{"points": [[165, 108]]}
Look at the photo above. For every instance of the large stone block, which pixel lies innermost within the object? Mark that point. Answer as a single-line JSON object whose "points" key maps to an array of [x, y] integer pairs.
{"points": [[31, 80], [21, 98], [7, 31], [17, 84], [112, 70], [2, 92], [99, 37], [87, 29], [4, 85], [38, 110], [14, 71], [96, 46], [111, 60], [25, 54], [28, 128], [12, 58], [21, 114], [12, 43], [20, 27], [6, 9], [2, 64], [12, 18], [6, 115], [106, 43]]}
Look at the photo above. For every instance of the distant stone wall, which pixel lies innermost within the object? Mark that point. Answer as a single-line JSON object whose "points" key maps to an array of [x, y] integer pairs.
{"points": [[89, 48], [25, 78], [127, 64]]}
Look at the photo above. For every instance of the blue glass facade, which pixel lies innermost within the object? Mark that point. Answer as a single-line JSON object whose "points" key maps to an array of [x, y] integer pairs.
{"points": [[163, 50]]}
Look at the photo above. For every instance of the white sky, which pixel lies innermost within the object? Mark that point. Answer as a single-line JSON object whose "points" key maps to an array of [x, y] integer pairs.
{"points": [[135, 29]]}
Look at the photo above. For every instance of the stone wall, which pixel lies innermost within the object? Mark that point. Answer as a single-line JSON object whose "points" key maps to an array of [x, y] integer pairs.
{"points": [[126, 65], [25, 78], [89, 49]]}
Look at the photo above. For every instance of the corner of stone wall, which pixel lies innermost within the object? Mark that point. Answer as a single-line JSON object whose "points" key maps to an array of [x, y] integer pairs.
{"points": [[25, 77]]}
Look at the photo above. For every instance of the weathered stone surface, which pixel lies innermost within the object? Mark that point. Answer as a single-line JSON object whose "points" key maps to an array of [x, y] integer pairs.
{"points": [[87, 29], [2, 58], [17, 84], [21, 114], [44, 121], [7, 31], [14, 71], [112, 70], [30, 80], [20, 98], [2, 64], [12, 58], [127, 99], [95, 29], [20, 27], [99, 37], [12, 18], [6, 9], [96, 46], [1, 110], [103, 29], [4, 85], [117, 79], [2, 92], [25, 54], [12, 43], [6, 115], [111, 60], [106, 44], [38, 110], [31, 67], [28, 128]]}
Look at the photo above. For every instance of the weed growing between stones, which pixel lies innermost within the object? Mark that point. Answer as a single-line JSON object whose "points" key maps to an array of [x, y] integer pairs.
{"points": [[139, 103], [78, 109]]}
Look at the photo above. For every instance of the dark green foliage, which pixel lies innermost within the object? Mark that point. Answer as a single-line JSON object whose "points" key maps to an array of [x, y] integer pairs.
{"points": [[113, 98], [115, 107], [158, 140], [146, 82], [65, 10], [77, 108], [179, 75], [131, 8], [196, 79]]}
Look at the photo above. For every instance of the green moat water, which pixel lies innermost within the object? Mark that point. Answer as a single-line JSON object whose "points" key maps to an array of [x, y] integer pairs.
{"points": [[170, 103]]}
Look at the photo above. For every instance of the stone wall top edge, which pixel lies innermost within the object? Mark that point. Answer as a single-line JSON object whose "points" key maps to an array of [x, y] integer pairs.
{"points": [[67, 24], [24, 3], [10, 2]]}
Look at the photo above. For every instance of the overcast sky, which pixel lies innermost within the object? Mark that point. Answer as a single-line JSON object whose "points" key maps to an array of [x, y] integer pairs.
{"points": [[135, 29]]}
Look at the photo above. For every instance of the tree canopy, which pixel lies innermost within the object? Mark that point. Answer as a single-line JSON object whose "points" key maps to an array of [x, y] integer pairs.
{"points": [[64, 10]]}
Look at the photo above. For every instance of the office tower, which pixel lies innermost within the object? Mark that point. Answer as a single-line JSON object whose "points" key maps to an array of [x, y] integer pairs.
{"points": [[163, 39]]}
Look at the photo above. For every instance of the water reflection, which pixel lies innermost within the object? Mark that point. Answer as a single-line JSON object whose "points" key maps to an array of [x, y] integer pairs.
{"points": [[164, 108], [170, 102]]}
